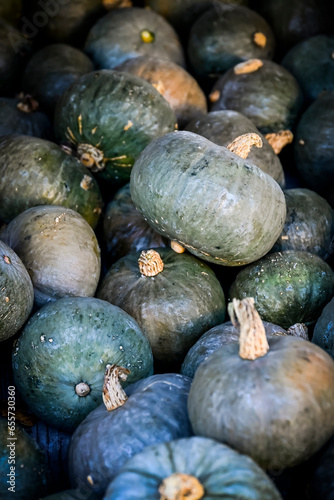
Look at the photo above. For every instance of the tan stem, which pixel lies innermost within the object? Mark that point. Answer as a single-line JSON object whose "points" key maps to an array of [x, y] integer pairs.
{"points": [[113, 394], [279, 140], [260, 39], [253, 341], [181, 487], [27, 104], [242, 145], [150, 263], [214, 96], [299, 330], [177, 247], [91, 157], [82, 389], [248, 66], [147, 36]]}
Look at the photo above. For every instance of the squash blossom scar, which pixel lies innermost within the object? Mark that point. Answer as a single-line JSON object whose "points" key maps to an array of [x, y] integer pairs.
{"points": [[128, 125], [80, 124]]}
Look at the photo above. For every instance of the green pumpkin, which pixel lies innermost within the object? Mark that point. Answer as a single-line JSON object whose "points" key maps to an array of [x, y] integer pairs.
{"points": [[219, 206], [272, 400], [149, 285], [109, 117], [38, 172], [195, 467], [323, 334], [23, 472], [132, 32], [21, 116], [288, 287], [16, 293], [60, 360]]}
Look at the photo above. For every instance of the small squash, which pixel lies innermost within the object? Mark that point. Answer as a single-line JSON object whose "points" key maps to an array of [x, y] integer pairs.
{"points": [[148, 285], [21, 116], [60, 359], [154, 411], [323, 334], [279, 408]]}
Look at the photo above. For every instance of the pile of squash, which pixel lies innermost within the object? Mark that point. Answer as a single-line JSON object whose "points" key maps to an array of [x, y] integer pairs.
{"points": [[166, 249]]}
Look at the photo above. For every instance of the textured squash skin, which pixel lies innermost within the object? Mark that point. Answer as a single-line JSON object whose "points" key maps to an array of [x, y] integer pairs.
{"points": [[172, 308], [309, 224], [30, 468], [155, 412], [288, 287], [37, 172], [269, 96], [52, 70], [59, 250], [322, 485], [120, 114], [116, 37], [125, 229], [223, 472], [323, 334], [16, 292], [71, 341], [284, 409], [16, 122], [215, 338], [311, 63], [224, 36], [220, 207], [222, 127]]}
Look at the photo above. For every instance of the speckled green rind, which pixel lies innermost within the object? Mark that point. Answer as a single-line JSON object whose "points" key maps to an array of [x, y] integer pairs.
{"points": [[269, 96], [312, 64], [173, 308], [120, 115], [222, 127], [16, 292], [323, 334], [16, 122], [278, 409], [223, 472], [155, 412], [314, 146], [116, 37], [125, 229], [220, 207], [52, 70], [224, 36], [59, 249], [38, 172], [309, 224], [322, 484], [288, 287], [71, 341], [22, 453], [215, 338]]}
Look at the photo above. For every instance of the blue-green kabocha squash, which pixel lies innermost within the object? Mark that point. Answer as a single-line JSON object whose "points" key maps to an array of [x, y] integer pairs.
{"points": [[216, 204], [164, 292], [314, 147], [21, 116], [51, 70], [23, 471], [60, 359], [196, 468], [38, 172], [16, 292], [222, 127], [109, 117], [226, 35], [262, 90], [58, 248], [124, 228], [226, 333], [309, 224], [323, 334], [270, 399], [322, 483], [154, 412], [288, 287], [132, 32], [312, 64]]}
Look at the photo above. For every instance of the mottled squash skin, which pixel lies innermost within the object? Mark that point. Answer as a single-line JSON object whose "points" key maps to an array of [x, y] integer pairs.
{"points": [[323, 334], [222, 208]]}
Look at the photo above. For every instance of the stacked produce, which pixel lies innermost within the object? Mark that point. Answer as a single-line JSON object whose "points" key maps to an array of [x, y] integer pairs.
{"points": [[167, 240]]}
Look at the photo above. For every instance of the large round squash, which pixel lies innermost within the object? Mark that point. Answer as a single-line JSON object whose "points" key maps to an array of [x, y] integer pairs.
{"points": [[272, 401], [60, 359], [219, 206]]}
